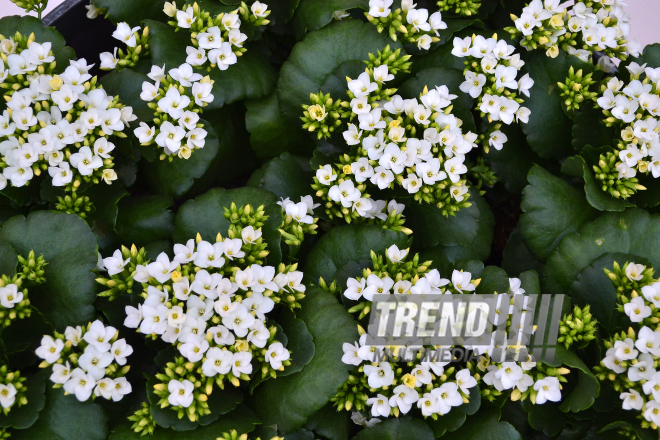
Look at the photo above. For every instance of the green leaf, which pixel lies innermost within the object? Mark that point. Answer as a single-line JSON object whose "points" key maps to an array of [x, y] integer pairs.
{"points": [[314, 61], [493, 279], [588, 129], [270, 133], [23, 336], [406, 428], [127, 84], [69, 248], [251, 77], [593, 287], [285, 176], [330, 423], [431, 228], [650, 56], [176, 178], [512, 163], [314, 14], [65, 418], [344, 245], [8, 260], [300, 342], [204, 215], [634, 232], [438, 76], [27, 25], [142, 220], [440, 56], [131, 11], [547, 417], [599, 199], [583, 395], [281, 11], [289, 401], [450, 250], [241, 419], [549, 129], [517, 257], [552, 209], [22, 417], [485, 425]]}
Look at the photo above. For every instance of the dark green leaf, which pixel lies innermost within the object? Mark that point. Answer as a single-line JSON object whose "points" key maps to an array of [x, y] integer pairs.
{"points": [[65, 418], [132, 11], [315, 60], [27, 25], [552, 209], [285, 176], [397, 429], [314, 14], [70, 250], [589, 130], [142, 220], [634, 232], [547, 417], [176, 178], [22, 417], [348, 244], [24, 336], [281, 10], [485, 425], [517, 257], [330, 423], [8, 260], [299, 343], [549, 129], [493, 279], [596, 197], [204, 215], [127, 84], [272, 134], [457, 416], [585, 391], [289, 401], [241, 419]]}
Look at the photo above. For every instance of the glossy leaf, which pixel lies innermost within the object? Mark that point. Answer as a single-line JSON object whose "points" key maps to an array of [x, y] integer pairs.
{"points": [[22, 417], [314, 14], [286, 176], [406, 428], [142, 220], [70, 249]]}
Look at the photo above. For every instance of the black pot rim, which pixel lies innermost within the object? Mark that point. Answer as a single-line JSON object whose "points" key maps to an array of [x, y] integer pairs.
{"points": [[58, 12]]}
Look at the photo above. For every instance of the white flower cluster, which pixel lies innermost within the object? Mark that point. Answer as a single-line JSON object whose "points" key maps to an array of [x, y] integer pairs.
{"points": [[636, 107], [301, 212], [178, 98], [59, 123], [421, 22], [390, 155], [214, 313], [593, 26], [218, 45], [127, 35], [10, 295], [95, 369], [494, 69]]}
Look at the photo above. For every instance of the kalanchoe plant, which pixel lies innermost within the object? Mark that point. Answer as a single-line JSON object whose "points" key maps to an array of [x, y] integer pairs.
{"points": [[137, 46], [406, 23]]}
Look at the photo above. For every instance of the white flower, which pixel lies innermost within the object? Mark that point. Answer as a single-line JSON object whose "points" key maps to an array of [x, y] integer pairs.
{"points": [[403, 398], [80, 384], [395, 255], [424, 42], [379, 405], [350, 356], [116, 263], [382, 177], [377, 286], [465, 381], [634, 271], [239, 321], [381, 74], [458, 192], [462, 281], [157, 73], [236, 37], [231, 21], [94, 362], [509, 374], [202, 93], [65, 97], [637, 310], [454, 168], [379, 8], [428, 404], [170, 9], [259, 9], [325, 175], [522, 114], [217, 361], [181, 393], [298, 211], [447, 396], [108, 60], [133, 316], [211, 39], [526, 23], [352, 135], [7, 395], [99, 336], [85, 161], [497, 140], [10, 295], [39, 53], [194, 348], [276, 354], [61, 373], [362, 86], [186, 76], [185, 18], [354, 288], [524, 84], [436, 23], [473, 84], [612, 362], [241, 363], [170, 136], [50, 349], [144, 133], [250, 235], [224, 56], [346, 193], [196, 138], [162, 268], [121, 350], [652, 294], [209, 255], [126, 34], [92, 11], [461, 47], [643, 369], [652, 412], [418, 17], [547, 389], [625, 350]]}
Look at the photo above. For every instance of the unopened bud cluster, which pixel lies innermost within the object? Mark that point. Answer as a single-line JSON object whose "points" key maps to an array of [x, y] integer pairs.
{"points": [[137, 46], [12, 390], [297, 220], [143, 422], [14, 302], [577, 328], [37, 6], [465, 8], [575, 90], [87, 361]]}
